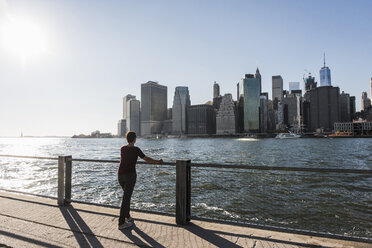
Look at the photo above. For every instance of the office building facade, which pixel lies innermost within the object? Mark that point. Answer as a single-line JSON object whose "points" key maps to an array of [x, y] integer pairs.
{"points": [[292, 111], [122, 128], [226, 116], [352, 107], [126, 99], [345, 107], [181, 102], [324, 108], [366, 102], [153, 107], [133, 116], [249, 100], [263, 113], [201, 119], [258, 76], [277, 88], [294, 86]]}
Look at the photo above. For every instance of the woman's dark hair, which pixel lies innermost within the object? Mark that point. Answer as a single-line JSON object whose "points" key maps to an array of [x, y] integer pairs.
{"points": [[131, 136]]}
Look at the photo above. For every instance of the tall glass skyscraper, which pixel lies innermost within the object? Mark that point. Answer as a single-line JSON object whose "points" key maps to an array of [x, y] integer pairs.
{"points": [[181, 102], [249, 94], [325, 75]]}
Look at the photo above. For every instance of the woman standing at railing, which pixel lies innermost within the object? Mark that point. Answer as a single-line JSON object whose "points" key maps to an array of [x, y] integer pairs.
{"points": [[127, 176]]}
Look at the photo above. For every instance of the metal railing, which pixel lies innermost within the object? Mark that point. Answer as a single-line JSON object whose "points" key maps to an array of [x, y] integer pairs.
{"points": [[183, 183]]}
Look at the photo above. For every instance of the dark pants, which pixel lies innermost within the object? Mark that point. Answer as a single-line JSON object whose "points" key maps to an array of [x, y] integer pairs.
{"points": [[127, 182]]}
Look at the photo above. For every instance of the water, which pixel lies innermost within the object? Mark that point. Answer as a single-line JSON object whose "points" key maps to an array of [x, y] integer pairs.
{"points": [[326, 202]]}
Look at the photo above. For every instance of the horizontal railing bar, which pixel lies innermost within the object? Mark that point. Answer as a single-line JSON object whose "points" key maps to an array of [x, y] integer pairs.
{"points": [[225, 166]]}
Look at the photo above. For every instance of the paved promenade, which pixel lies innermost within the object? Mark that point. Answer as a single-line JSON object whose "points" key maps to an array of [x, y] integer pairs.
{"points": [[27, 221]]}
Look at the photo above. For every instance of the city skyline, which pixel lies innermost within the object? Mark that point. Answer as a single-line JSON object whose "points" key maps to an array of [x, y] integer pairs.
{"points": [[90, 55]]}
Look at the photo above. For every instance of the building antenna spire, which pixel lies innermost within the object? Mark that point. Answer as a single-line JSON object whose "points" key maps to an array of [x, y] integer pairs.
{"points": [[324, 58]]}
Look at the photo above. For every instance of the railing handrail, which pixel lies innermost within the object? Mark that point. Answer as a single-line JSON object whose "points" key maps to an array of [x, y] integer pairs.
{"points": [[212, 165]]}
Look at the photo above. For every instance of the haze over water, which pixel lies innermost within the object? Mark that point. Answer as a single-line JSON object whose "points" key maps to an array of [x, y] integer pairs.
{"points": [[327, 202]]}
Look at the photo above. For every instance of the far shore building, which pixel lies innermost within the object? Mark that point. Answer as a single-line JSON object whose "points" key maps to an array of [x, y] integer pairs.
{"points": [[249, 103], [153, 108], [226, 116], [126, 99], [352, 107], [122, 128], [181, 103], [345, 107], [264, 112], [292, 111], [324, 108], [133, 116], [366, 102], [201, 119], [293, 86], [277, 88]]}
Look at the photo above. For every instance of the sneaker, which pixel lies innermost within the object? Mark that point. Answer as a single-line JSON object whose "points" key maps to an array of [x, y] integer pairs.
{"points": [[125, 225]]}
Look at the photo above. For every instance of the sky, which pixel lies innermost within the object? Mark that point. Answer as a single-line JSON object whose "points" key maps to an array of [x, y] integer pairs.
{"points": [[66, 65]]}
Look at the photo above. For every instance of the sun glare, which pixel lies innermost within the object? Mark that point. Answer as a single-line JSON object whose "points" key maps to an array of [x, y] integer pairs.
{"points": [[23, 38]]}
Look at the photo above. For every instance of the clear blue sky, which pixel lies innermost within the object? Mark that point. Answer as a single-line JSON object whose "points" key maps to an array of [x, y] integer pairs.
{"points": [[96, 52]]}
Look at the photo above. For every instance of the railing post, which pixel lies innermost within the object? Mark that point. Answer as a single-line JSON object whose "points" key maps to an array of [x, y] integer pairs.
{"points": [[68, 164], [183, 192], [61, 179]]}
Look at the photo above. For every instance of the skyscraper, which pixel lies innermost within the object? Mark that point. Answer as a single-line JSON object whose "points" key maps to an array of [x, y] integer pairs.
{"points": [[226, 116], [366, 102], [258, 75], [310, 83], [181, 102], [352, 107], [125, 100], [249, 100], [216, 90], [133, 116], [153, 108], [263, 112], [324, 107], [345, 107], [201, 119], [293, 86], [325, 75], [277, 86]]}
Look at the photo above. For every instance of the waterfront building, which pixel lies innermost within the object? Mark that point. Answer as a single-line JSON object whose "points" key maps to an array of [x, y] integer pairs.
{"points": [[366, 102], [122, 128], [216, 90], [325, 75], [133, 116], [280, 126], [270, 116], [263, 112], [292, 111], [258, 75], [345, 107], [310, 83], [153, 107], [226, 116], [181, 102], [356, 128], [352, 107], [126, 99], [249, 101], [201, 119], [277, 87], [294, 86], [324, 108]]}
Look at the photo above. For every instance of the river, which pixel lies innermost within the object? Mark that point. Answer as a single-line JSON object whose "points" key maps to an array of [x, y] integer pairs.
{"points": [[325, 202]]}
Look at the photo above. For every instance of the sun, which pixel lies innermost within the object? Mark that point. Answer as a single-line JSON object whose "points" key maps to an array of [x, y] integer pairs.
{"points": [[23, 38]]}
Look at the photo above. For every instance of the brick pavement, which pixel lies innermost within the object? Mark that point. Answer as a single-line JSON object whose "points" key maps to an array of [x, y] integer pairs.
{"points": [[27, 221]]}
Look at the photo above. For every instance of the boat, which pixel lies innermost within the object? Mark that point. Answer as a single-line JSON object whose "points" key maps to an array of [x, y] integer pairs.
{"points": [[289, 135]]}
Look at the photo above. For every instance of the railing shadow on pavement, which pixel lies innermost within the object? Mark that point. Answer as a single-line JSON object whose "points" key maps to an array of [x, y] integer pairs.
{"points": [[129, 234], [83, 234], [26, 239]]}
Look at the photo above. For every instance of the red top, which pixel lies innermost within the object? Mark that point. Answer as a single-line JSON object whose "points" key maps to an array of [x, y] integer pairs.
{"points": [[128, 159]]}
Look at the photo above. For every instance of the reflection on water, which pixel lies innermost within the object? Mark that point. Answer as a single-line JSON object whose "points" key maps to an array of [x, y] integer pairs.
{"points": [[326, 202]]}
